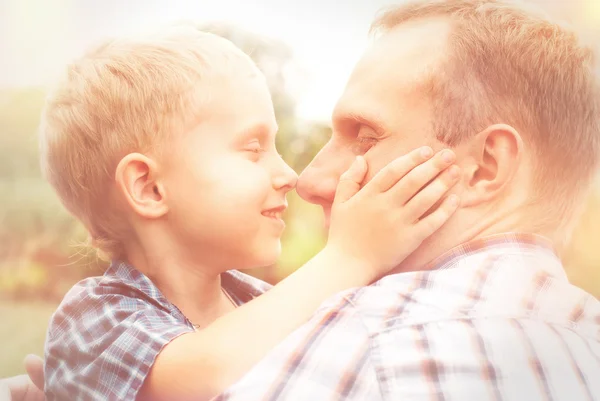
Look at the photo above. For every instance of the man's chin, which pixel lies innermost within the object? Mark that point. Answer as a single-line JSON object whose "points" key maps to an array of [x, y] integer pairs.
{"points": [[326, 219]]}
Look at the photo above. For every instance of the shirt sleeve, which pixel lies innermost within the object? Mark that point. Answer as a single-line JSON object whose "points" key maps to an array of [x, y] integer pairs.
{"points": [[326, 359], [101, 344]]}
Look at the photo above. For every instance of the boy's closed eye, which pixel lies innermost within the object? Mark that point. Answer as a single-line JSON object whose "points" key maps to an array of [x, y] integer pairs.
{"points": [[255, 147]]}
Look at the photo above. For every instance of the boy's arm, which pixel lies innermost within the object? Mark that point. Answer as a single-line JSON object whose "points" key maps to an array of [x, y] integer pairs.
{"points": [[204, 363], [331, 357], [369, 235]]}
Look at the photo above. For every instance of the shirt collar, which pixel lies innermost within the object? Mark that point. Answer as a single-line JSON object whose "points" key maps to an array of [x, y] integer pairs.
{"points": [[136, 280], [503, 243], [240, 287]]}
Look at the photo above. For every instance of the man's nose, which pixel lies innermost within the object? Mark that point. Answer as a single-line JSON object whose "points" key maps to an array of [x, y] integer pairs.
{"points": [[318, 182], [316, 186]]}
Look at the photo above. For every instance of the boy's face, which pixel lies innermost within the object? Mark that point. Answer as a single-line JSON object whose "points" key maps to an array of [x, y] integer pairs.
{"points": [[226, 184]]}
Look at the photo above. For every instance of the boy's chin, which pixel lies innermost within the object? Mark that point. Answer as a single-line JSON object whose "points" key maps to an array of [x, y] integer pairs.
{"points": [[267, 256]]}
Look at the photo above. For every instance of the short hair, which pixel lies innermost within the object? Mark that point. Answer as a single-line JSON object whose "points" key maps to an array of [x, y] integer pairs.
{"points": [[126, 95], [509, 63]]}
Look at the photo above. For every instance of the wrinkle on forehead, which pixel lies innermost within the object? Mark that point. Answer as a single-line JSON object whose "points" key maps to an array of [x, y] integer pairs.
{"points": [[396, 73], [406, 56]]}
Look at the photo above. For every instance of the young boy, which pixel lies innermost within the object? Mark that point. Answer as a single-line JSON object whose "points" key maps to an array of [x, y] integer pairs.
{"points": [[164, 147]]}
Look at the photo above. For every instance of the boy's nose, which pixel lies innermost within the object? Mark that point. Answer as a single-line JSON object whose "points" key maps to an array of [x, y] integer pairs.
{"points": [[286, 178]]}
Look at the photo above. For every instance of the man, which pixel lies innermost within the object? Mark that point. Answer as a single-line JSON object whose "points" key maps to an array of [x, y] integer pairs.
{"points": [[483, 310]]}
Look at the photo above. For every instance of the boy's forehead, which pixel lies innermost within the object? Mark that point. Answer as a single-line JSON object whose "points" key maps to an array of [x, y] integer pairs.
{"points": [[237, 96], [236, 110]]}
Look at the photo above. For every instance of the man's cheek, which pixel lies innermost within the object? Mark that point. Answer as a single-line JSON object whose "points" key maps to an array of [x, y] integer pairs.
{"points": [[379, 158]]}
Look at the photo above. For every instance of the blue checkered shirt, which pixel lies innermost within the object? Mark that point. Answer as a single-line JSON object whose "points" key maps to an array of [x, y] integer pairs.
{"points": [[107, 332]]}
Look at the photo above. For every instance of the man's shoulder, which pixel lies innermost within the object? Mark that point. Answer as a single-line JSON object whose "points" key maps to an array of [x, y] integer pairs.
{"points": [[493, 287], [409, 298]]}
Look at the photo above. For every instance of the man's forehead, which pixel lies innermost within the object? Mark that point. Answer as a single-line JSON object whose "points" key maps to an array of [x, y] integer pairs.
{"points": [[403, 55], [386, 86]]}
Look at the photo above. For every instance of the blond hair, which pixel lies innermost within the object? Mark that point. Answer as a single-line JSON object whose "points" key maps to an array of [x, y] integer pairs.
{"points": [[509, 64], [127, 95]]}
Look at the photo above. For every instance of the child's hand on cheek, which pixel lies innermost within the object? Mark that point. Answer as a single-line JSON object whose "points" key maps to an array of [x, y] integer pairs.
{"points": [[382, 223]]}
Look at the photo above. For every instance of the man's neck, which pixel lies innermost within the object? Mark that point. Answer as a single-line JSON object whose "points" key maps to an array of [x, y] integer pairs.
{"points": [[462, 228]]}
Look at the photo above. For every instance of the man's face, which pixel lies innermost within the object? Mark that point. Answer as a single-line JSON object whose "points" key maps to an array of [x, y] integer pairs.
{"points": [[383, 112]]}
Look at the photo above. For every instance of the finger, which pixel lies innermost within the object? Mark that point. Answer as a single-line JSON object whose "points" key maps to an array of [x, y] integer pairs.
{"points": [[434, 221], [34, 366], [397, 169], [350, 181], [4, 392], [432, 194], [17, 386], [420, 176]]}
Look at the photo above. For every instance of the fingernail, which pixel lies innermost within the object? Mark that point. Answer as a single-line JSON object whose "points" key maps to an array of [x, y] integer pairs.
{"points": [[448, 156], [453, 200], [426, 152], [359, 162]]}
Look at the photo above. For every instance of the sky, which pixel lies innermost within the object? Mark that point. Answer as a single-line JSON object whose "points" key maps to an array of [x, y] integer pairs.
{"points": [[38, 37]]}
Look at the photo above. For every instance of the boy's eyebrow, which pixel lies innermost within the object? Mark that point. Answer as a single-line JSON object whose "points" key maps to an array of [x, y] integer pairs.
{"points": [[259, 130]]}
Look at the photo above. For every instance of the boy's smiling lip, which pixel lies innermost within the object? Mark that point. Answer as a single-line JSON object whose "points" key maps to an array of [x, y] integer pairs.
{"points": [[275, 213]]}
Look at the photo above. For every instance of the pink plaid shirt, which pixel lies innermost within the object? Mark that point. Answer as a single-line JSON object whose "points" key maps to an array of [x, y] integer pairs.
{"points": [[495, 319]]}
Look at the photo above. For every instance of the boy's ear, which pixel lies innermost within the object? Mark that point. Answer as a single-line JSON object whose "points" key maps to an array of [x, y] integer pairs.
{"points": [[494, 158], [137, 180]]}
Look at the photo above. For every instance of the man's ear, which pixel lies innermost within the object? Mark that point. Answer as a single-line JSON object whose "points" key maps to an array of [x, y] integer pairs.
{"points": [[137, 178], [494, 158]]}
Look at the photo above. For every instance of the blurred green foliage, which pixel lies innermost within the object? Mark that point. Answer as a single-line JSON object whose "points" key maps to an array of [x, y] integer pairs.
{"points": [[24, 335]]}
